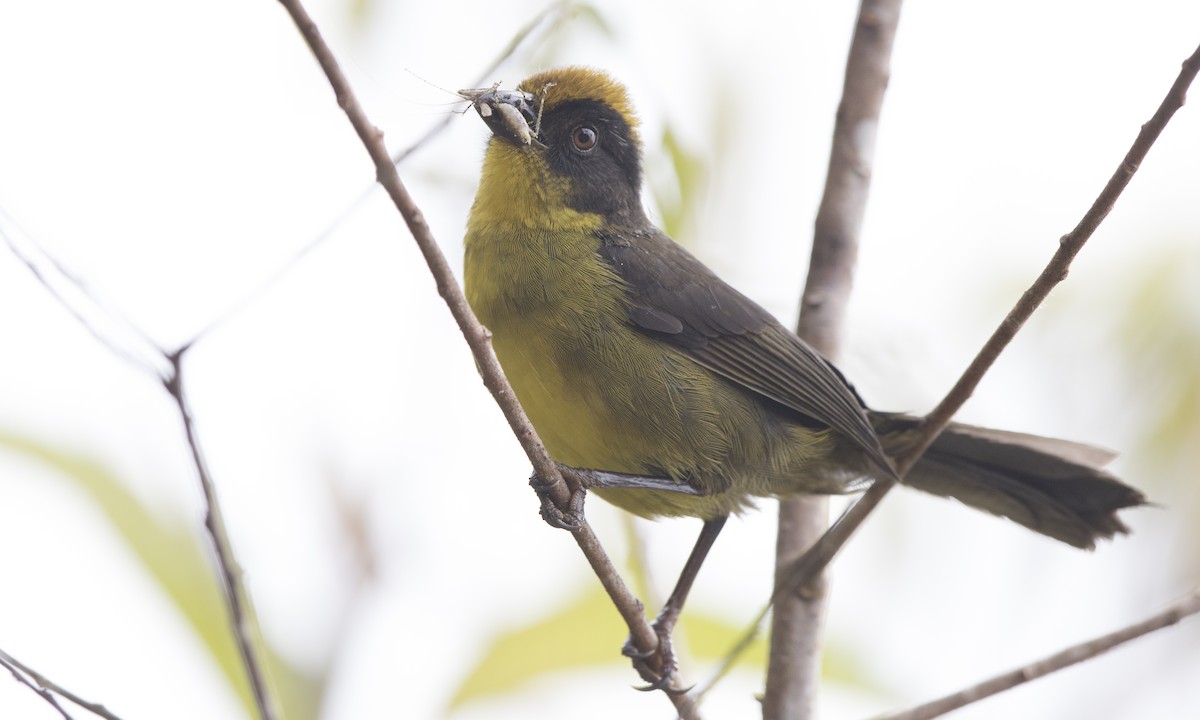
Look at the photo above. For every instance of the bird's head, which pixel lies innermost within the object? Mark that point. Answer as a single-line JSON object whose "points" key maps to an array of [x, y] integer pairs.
{"points": [[565, 141]]}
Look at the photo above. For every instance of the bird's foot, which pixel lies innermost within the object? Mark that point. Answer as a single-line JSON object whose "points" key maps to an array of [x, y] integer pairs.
{"points": [[657, 667], [570, 519]]}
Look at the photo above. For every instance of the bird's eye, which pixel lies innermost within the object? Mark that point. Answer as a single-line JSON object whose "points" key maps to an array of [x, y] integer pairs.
{"points": [[584, 138]]}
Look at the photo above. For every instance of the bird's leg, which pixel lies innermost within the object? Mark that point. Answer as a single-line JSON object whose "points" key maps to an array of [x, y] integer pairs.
{"points": [[659, 677], [604, 479], [572, 518]]}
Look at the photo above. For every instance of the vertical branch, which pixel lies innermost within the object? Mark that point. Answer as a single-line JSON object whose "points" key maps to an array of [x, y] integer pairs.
{"points": [[1069, 245], [794, 668]]}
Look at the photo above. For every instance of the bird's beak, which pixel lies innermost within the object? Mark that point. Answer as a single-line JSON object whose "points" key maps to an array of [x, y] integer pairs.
{"points": [[508, 113]]}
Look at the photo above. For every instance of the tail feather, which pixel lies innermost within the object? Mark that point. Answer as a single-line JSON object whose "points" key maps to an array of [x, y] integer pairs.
{"points": [[1054, 487]]}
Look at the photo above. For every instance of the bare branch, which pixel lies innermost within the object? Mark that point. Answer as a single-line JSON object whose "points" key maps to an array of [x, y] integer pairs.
{"points": [[110, 328], [40, 691], [117, 335], [1055, 272], [242, 619], [46, 688], [556, 12], [479, 341], [822, 552], [793, 672], [1183, 607]]}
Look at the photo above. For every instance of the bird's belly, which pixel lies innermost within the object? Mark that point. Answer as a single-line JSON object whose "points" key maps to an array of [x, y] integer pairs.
{"points": [[596, 400], [604, 396]]}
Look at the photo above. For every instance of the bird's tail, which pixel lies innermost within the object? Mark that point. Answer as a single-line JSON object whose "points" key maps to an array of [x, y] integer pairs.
{"points": [[1054, 487]]}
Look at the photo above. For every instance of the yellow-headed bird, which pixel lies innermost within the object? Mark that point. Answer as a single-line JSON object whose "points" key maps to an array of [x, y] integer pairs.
{"points": [[630, 356]]}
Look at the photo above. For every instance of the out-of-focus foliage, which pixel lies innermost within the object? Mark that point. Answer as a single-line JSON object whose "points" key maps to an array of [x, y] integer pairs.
{"points": [[1153, 315], [573, 18], [586, 633], [1150, 336], [680, 202], [1158, 336], [181, 567]]}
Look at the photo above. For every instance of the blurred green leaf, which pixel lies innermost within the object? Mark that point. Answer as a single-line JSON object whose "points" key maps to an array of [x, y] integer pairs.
{"points": [[595, 632], [710, 638], [637, 574], [180, 565], [1148, 355], [572, 16], [1160, 335], [359, 11], [842, 665], [590, 15], [587, 632], [678, 204]]}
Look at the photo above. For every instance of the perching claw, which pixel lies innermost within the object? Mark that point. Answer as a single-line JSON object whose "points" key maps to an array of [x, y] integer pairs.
{"points": [[664, 624], [656, 678], [570, 520]]}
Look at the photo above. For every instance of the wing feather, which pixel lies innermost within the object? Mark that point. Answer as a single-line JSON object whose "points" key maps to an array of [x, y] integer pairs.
{"points": [[676, 299]]}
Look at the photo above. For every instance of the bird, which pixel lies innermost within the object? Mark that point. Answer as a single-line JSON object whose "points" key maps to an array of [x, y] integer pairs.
{"points": [[681, 395]]}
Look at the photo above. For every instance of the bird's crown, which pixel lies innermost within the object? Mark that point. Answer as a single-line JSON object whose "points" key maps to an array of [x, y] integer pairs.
{"points": [[553, 88]]}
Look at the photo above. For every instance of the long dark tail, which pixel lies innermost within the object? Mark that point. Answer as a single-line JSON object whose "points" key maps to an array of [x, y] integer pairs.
{"points": [[1054, 487]]}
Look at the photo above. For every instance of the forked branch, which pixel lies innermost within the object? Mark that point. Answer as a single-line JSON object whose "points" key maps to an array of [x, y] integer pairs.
{"points": [[793, 672], [1055, 272]]}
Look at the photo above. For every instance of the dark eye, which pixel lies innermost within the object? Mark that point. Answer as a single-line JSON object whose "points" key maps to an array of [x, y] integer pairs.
{"points": [[584, 138]]}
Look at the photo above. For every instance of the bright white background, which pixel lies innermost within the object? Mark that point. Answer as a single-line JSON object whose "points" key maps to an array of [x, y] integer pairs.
{"points": [[175, 155]]}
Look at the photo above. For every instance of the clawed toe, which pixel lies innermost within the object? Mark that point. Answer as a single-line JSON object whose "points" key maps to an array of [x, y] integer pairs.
{"points": [[570, 520], [630, 651], [657, 674]]}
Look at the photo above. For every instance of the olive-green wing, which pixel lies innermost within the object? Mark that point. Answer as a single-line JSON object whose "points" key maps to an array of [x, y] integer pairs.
{"points": [[676, 299]]}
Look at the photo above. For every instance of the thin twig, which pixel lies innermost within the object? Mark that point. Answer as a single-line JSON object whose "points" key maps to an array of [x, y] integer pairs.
{"points": [[479, 341], [85, 308], [730, 659], [1055, 272], [244, 624], [1183, 607], [41, 692], [793, 671], [823, 551], [121, 337], [44, 687], [557, 11], [242, 618]]}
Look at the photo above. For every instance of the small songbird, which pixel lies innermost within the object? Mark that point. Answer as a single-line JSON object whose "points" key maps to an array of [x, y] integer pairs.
{"points": [[633, 358]]}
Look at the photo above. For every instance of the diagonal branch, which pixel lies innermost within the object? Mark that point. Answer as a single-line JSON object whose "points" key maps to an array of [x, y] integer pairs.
{"points": [[1055, 272], [47, 689], [128, 342], [556, 13], [111, 329], [1175, 612], [479, 340], [795, 659], [822, 552]]}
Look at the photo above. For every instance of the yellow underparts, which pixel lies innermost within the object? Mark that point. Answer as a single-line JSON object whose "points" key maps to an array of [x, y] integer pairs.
{"points": [[601, 394]]}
